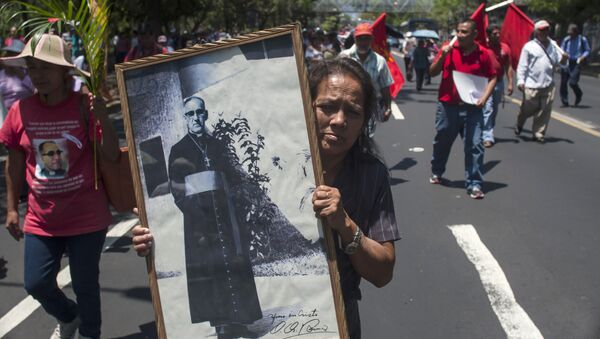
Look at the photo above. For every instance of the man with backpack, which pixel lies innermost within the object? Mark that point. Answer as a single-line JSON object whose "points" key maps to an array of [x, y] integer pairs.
{"points": [[577, 48]]}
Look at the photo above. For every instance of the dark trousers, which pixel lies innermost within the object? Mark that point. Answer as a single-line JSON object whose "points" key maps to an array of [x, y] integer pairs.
{"points": [[569, 75], [421, 72], [408, 68], [42, 264], [352, 318]]}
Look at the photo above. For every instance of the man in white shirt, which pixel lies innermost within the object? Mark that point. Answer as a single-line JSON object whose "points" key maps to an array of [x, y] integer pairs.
{"points": [[535, 78]]}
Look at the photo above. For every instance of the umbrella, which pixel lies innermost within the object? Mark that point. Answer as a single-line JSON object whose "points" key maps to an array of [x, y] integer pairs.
{"points": [[425, 34]]}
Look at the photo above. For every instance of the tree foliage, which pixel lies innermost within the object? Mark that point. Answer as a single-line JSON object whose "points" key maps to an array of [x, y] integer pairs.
{"points": [[88, 18], [566, 11], [197, 15], [448, 13]]}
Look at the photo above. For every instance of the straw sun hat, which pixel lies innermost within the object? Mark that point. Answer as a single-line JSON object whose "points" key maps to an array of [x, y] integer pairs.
{"points": [[50, 48]]}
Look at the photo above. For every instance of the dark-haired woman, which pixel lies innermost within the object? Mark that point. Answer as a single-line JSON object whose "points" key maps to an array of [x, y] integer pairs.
{"points": [[356, 199]]}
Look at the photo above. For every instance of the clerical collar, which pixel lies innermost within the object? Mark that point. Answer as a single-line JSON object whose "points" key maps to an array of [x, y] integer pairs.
{"points": [[198, 136]]}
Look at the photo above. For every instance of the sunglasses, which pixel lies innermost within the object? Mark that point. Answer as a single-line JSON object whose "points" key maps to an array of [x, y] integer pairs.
{"points": [[199, 112], [53, 153]]}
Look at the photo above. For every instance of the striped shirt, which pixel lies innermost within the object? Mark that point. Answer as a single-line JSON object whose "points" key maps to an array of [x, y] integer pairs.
{"points": [[364, 184], [579, 49], [375, 65]]}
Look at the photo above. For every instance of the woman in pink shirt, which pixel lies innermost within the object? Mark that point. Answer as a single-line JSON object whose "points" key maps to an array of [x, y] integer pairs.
{"points": [[49, 145]]}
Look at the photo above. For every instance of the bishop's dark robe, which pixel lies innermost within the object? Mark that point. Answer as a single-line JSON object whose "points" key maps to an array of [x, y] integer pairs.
{"points": [[220, 280]]}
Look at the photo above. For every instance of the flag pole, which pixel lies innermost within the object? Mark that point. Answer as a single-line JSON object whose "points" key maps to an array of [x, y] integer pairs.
{"points": [[496, 6]]}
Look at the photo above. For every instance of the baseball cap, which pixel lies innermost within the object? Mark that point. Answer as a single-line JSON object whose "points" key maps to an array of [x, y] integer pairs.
{"points": [[162, 39], [541, 24], [50, 48], [363, 29]]}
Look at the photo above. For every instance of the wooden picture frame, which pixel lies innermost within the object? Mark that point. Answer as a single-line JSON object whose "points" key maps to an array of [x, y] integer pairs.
{"points": [[235, 121]]}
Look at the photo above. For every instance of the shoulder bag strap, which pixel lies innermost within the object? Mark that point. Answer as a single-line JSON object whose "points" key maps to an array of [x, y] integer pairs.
{"points": [[545, 52], [86, 116]]}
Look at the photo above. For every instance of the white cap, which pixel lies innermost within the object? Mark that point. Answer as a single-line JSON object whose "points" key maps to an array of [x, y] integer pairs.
{"points": [[541, 25]]}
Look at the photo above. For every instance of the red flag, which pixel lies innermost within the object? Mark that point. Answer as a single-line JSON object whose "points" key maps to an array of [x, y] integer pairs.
{"points": [[380, 46], [516, 31], [481, 18]]}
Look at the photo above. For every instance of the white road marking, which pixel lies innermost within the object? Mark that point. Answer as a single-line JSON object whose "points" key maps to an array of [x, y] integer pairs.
{"points": [[514, 320], [28, 305], [396, 112], [565, 119]]}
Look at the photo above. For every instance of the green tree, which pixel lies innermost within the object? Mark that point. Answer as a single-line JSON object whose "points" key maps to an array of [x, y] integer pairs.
{"points": [[88, 18], [449, 12], [565, 11]]}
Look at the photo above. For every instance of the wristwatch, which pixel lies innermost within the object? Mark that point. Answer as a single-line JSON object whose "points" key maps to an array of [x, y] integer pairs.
{"points": [[352, 247]]}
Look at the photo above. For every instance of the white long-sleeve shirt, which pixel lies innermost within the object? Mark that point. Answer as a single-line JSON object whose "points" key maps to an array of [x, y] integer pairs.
{"points": [[535, 69]]}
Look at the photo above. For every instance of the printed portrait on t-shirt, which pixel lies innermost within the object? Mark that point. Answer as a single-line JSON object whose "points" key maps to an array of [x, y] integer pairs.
{"points": [[52, 158]]}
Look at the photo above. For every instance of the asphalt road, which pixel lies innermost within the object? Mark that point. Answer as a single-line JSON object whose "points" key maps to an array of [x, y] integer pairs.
{"points": [[539, 221], [587, 111]]}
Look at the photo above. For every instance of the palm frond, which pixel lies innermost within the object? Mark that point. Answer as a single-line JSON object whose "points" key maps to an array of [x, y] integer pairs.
{"points": [[89, 19]]}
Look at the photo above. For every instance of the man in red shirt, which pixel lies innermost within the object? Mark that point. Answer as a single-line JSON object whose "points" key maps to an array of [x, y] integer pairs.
{"points": [[502, 53], [454, 116]]}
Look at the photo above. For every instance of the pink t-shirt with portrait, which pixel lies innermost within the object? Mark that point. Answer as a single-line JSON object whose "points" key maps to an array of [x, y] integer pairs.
{"points": [[59, 162]]}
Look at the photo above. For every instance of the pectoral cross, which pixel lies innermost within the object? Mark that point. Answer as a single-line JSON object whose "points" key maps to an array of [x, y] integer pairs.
{"points": [[206, 160], [203, 151]]}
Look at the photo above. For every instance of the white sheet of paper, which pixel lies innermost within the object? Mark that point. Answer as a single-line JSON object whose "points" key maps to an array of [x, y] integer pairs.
{"points": [[470, 87]]}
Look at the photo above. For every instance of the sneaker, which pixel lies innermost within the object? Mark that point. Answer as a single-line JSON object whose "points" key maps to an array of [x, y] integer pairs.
{"points": [[476, 193], [435, 179], [488, 144], [518, 130], [66, 330], [540, 140], [578, 100]]}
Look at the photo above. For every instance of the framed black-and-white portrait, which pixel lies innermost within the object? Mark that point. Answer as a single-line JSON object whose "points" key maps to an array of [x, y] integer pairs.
{"points": [[224, 157]]}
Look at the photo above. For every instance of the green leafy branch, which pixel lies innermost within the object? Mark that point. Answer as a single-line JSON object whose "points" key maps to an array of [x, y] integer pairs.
{"points": [[89, 19]]}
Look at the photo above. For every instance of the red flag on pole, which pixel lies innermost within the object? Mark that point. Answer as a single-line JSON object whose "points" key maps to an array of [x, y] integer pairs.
{"points": [[481, 18], [516, 31], [380, 46]]}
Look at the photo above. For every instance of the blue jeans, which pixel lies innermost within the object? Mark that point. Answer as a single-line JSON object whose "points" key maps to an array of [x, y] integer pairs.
{"points": [[490, 111], [42, 264], [570, 75], [450, 121]]}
